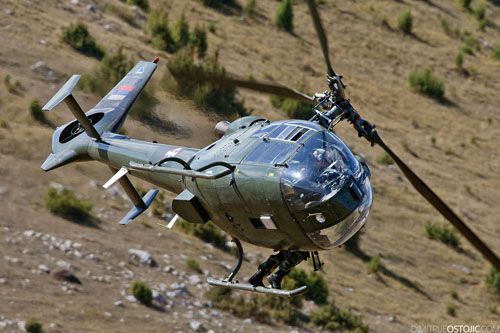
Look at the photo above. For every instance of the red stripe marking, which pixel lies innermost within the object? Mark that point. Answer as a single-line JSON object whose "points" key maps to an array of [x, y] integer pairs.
{"points": [[127, 88]]}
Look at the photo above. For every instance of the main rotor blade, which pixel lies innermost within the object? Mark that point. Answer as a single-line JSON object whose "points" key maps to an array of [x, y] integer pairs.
{"points": [[321, 35], [435, 201], [231, 82]]}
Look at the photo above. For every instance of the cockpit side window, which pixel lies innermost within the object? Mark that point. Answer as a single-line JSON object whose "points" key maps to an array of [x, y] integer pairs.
{"points": [[271, 152]]}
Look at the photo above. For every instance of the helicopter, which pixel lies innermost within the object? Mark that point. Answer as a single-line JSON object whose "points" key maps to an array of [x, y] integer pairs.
{"points": [[288, 185]]}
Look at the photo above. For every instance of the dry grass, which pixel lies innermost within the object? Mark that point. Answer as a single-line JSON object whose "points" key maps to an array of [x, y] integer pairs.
{"points": [[375, 62]]}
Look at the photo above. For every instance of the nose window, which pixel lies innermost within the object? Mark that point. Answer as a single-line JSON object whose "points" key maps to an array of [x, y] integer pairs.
{"points": [[318, 171]]}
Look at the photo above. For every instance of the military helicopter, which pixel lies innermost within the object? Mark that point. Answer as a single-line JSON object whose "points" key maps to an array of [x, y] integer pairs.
{"points": [[284, 185]]}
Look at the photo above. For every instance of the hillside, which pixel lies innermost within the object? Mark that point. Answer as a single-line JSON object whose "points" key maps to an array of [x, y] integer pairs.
{"points": [[449, 143]]}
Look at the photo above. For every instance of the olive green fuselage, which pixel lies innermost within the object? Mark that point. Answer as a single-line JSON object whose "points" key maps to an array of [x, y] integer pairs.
{"points": [[235, 202]]}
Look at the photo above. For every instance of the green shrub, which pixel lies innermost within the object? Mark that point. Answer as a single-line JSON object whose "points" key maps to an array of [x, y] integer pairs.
{"points": [[443, 233], [78, 37], [470, 45], [318, 288], [218, 100], [480, 12], [157, 27], [123, 13], [36, 111], [451, 309], [206, 232], [445, 26], [284, 15], [193, 264], [453, 294], [217, 3], [496, 53], [142, 292], [249, 9], [143, 4], [333, 318], [424, 81], [465, 4], [211, 27], [13, 88], [181, 32], [493, 280], [33, 326], [405, 22], [66, 204], [459, 60], [373, 265], [198, 40], [384, 159], [293, 108]]}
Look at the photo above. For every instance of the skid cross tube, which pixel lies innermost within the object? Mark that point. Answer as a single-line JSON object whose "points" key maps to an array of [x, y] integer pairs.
{"points": [[238, 264]]}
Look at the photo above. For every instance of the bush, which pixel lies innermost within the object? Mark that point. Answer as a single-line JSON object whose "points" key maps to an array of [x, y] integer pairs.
{"points": [[424, 81], [206, 232], [333, 318], [36, 111], [217, 3], [66, 204], [123, 13], [78, 37], [470, 45], [493, 280], [405, 22], [157, 26], [284, 15], [459, 60], [142, 292], [465, 4], [443, 233], [453, 294], [215, 99], [198, 40], [496, 53], [373, 265], [33, 326], [293, 108], [318, 288], [384, 159], [451, 309], [193, 264], [480, 12], [181, 32], [249, 9], [143, 4]]}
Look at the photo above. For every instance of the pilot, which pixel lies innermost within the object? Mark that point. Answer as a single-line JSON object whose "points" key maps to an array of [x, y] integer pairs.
{"points": [[286, 260]]}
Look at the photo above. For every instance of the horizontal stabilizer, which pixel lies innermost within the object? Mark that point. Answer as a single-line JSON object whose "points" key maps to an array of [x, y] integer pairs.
{"points": [[59, 159], [136, 211], [64, 92]]}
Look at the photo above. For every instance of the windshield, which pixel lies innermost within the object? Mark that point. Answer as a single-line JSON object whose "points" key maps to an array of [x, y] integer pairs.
{"points": [[318, 171]]}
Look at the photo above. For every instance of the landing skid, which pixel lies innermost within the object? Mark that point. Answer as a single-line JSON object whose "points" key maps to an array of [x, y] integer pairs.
{"points": [[227, 282], [263, 290]]}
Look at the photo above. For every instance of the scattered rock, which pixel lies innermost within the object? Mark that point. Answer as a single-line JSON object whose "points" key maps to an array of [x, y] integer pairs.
{"points": [[108, 314], [143, 256], [28, 233], [44, 268], [248, 321], [3, 281], [119, 303], [63, 264], [158, 297], [9, 12], [195, 325], [194, 279], [91, 8], [130, 298], [65, 275], [461, 268]]}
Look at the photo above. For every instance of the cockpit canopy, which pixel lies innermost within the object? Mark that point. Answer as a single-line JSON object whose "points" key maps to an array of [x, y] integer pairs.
{"points": [[325, 185], [318, 171]]}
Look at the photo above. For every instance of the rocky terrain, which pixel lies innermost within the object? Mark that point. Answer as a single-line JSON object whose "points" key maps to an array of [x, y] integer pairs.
{"points": [[450, 143]]}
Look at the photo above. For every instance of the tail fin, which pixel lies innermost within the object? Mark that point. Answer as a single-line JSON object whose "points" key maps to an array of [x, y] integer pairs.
{"points": [[69, 142]]}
